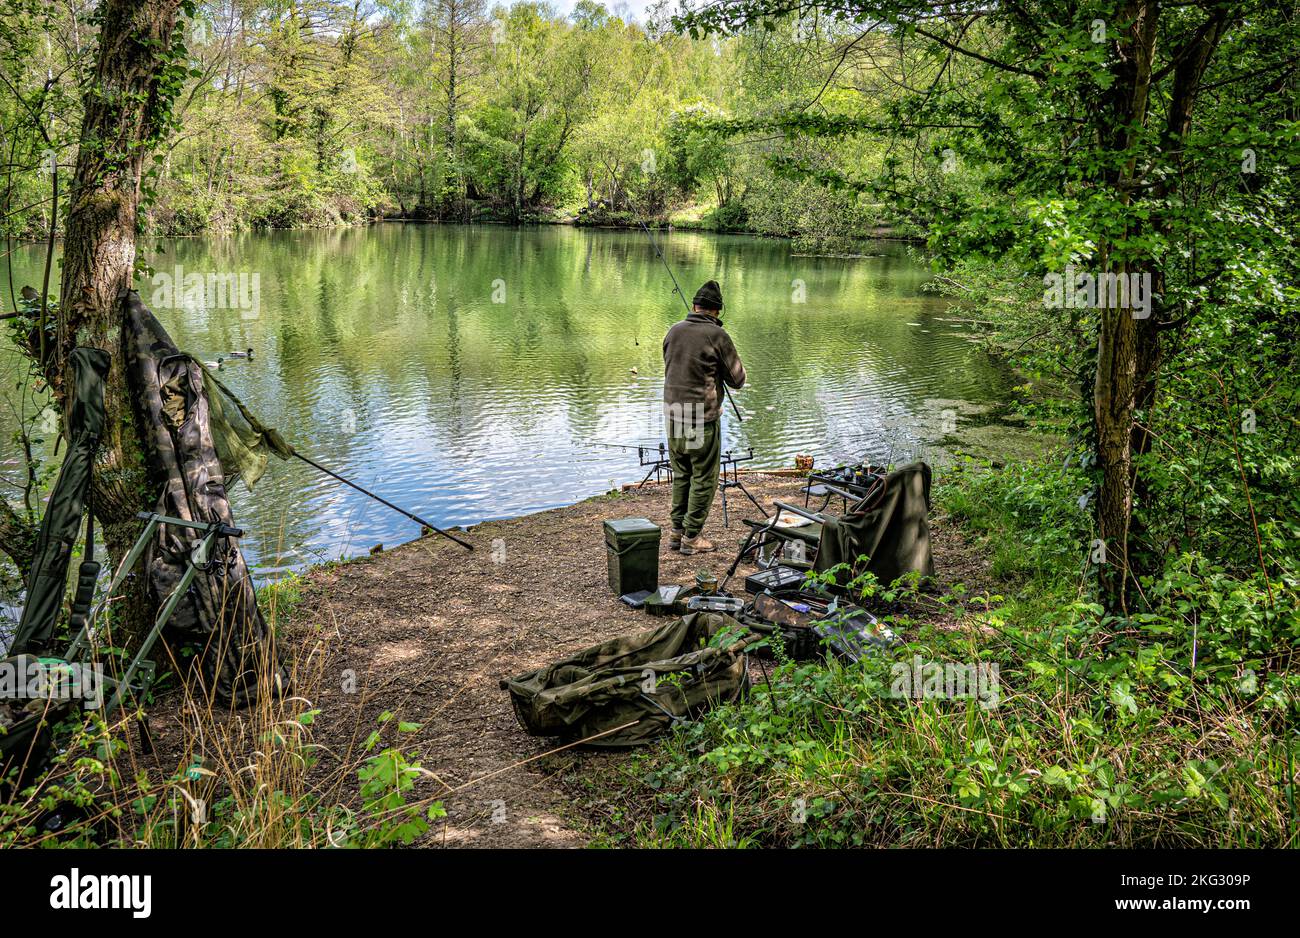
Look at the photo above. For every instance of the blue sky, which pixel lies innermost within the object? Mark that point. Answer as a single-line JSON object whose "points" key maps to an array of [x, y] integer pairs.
{"points": [[636, 9]]}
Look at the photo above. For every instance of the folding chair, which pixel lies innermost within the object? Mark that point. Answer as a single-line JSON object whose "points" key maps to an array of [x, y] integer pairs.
{"points": [[772, 533], [858, 481]]}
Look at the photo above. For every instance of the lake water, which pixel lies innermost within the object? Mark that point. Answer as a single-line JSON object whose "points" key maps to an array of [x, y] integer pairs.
{"points": [[472, 373]]}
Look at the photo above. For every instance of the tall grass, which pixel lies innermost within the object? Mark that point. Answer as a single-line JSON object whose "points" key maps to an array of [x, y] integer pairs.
{"points": [[226, 777]]}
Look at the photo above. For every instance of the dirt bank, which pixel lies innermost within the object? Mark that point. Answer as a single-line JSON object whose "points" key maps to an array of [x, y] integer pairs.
{"points": [[429, 629]]}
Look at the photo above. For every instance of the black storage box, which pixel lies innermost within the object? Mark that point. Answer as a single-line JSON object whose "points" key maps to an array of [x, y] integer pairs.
{"points": [[774, 579]]}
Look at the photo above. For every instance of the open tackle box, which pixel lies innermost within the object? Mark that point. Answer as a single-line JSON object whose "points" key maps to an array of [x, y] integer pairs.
{"points": [[812, 618]]}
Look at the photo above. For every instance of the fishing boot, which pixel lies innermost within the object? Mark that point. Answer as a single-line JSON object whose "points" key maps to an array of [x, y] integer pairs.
{"points": [[675, 539], [699, 544]]}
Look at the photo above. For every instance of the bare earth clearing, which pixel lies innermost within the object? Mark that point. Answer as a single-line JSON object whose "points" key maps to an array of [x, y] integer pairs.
{"points": [[426, 630]]}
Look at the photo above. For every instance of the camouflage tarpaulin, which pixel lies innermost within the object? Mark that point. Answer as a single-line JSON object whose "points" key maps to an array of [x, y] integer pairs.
{"points": [[220, 614], [628, 690], [47, 582]]}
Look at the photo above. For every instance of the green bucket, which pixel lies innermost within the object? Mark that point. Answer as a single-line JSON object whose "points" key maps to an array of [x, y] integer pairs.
{"points": [[632, 550]]}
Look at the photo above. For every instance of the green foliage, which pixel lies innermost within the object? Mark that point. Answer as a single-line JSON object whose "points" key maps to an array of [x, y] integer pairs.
{"points": [[1166, 717], [331, 113], [83, 800], [697, 154], [387, 779], [1167, 735], [730, 216]]}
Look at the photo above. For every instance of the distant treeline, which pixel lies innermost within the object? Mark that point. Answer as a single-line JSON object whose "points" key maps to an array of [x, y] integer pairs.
{"points": [[332, 111]]}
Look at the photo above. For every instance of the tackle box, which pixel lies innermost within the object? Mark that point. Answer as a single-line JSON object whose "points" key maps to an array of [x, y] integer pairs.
{"points": [[774, 579], [632, 551], [811, 623]]}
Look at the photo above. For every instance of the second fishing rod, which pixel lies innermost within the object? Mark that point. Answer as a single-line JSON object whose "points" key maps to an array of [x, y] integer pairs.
{"points": [[677, 288]]}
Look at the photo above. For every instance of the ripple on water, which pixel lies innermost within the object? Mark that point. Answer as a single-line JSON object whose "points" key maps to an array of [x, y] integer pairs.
{"points": [[381, 354]]}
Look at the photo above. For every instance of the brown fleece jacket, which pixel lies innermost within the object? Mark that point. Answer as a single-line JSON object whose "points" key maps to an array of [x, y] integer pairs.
{"points": [[698, 357]]}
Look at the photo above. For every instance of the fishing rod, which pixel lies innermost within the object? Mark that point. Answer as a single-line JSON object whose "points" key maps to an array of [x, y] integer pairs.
{"points": [[253, 421], [624, 445], [383, 501], [677, 288]]}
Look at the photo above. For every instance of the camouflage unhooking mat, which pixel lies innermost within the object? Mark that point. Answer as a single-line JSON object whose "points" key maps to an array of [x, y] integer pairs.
{"points": [[219, 615], [628, 690]]}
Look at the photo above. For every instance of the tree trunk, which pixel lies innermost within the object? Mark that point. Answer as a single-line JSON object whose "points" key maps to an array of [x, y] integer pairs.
{"points": [[519, 178], [1120, 121], [1129, 352], [453, 65], [17, 538], [125, 110], [1113, 407], [450, 170]]}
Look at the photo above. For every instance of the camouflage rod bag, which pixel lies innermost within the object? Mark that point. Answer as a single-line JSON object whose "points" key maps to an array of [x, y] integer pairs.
{"points": [[628, 690], [219, 615]]}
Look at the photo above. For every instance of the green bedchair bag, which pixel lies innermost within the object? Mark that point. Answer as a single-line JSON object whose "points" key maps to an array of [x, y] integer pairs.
{"points": [[628, 690]]}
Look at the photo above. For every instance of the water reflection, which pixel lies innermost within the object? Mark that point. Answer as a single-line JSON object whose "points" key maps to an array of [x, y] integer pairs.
{"points": [[470, 373]]}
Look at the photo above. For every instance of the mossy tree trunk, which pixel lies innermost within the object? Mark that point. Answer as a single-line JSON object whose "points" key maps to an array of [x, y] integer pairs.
{"points": [[127, 108], [1129, 353]]}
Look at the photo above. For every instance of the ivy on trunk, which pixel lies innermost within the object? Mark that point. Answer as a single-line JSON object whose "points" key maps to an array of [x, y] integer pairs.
{"points": [[139, 68]]}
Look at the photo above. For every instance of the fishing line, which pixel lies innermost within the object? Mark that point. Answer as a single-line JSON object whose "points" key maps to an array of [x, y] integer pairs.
{"points": [[678, 290]]}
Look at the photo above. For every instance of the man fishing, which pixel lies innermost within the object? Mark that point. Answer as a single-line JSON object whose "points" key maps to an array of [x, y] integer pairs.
{"points": [[699, 359]]}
